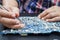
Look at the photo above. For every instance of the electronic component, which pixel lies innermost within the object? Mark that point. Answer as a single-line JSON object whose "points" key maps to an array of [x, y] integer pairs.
{"points": [[35, 25]]}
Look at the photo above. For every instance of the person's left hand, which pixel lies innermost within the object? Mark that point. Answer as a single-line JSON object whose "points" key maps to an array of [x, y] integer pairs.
{"points": [[51, 14]]}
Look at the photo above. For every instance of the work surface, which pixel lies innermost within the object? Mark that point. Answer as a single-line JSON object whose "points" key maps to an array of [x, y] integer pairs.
{"points": [[34, 25], [52, 36], [40, 37]]}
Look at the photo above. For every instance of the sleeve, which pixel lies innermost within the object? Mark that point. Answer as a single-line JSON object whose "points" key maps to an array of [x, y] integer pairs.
{"points": [[0, 2], [18, 1]]}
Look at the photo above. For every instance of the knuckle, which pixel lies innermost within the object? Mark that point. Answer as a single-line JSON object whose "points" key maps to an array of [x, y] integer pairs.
{"points": [[51, 14]]}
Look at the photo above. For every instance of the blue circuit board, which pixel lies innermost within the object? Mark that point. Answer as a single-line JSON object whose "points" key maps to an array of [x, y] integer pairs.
{"points": [[35, 25]]}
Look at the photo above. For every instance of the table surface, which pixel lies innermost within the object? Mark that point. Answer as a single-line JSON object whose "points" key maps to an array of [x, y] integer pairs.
{"points": [[52, 36]]}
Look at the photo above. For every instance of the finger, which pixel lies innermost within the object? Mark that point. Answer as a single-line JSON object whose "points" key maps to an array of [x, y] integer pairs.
{"points": [[47, 11], [50, 15], [17, 14], [16, 11], [17, 26], [8, 21], [47, 17], [42, 14], [14, 26], [53, 19], [5, 13], [7, 7]]}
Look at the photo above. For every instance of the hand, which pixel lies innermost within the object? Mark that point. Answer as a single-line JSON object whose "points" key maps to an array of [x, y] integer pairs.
{"points": [[14, 10], [51, 14], [11, 23], [7, 18]]}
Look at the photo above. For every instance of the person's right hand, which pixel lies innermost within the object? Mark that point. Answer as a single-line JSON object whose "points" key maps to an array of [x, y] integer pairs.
{"points": [[7, 19]]}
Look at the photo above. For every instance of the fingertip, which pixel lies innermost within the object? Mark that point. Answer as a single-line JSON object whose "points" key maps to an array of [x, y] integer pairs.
{"points": [[39, 16], [18, 26], [17, 14], [11, 15], [42, 18], [22, 25], [17, 22], [49, 20]]}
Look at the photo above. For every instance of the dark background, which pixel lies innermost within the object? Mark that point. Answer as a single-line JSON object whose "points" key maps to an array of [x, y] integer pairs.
{"points": [[31, 37]]}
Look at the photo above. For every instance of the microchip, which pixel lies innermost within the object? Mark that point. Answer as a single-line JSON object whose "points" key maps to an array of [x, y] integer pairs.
{"points": [[35, 25]]}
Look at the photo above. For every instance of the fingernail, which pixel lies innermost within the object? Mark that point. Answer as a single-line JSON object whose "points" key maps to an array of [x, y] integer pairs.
{"points": [[39, 17], [42, 18], [47, 20], [22, 25]]}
